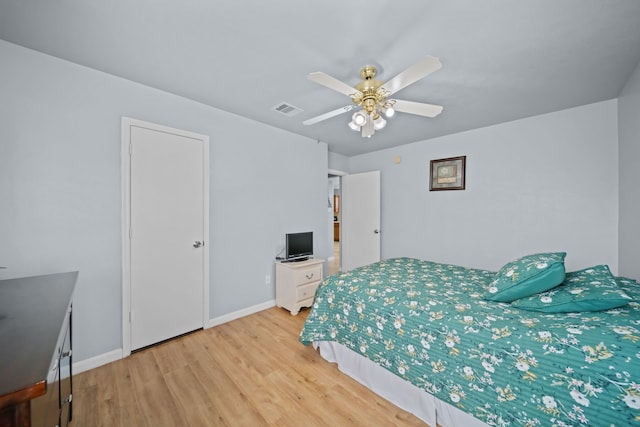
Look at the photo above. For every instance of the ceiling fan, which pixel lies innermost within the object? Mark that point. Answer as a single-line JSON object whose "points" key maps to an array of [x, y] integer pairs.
{"points": [[372, 96]]}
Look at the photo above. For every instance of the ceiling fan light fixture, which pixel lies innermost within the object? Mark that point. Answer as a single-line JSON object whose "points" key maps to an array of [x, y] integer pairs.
{"points": [[359, 118], [354, 126], [379, 122], [389, 112]]}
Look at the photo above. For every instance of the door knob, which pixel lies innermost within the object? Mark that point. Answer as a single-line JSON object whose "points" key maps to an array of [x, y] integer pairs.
{"points": [[376, 231], [197, 244]]}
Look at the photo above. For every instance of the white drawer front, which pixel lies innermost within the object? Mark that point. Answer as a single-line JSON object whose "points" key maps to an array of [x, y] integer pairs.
{"points": [[311, 274], [306, 291]]}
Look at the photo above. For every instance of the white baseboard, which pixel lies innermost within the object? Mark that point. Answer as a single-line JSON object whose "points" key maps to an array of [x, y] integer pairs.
{"points": [[113, 355], [94, 362], [240, 313]]}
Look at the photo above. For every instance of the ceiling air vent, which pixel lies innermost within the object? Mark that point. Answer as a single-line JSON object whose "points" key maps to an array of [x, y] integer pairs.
{"points": [[287, 109]]}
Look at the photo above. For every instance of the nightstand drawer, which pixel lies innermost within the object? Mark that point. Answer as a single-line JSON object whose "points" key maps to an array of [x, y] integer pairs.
{"points": [[307, 275], [306, 291]]}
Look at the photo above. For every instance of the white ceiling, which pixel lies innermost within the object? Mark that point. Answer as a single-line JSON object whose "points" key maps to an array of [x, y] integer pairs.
{"points": [[502, 59]]}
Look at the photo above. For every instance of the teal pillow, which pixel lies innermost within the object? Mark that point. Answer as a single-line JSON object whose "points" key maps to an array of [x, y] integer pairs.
{"points": [[591, 289], [527, 276]]}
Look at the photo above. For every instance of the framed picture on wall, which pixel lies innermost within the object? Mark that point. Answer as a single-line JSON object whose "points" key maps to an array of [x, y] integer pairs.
{"points": [[447, 174]]}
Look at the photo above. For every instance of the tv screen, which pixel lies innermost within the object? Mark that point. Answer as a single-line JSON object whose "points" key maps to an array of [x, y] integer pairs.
{"points": [[299, 246]]}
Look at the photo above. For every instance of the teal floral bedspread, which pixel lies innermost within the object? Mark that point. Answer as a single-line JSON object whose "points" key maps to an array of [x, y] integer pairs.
{"points": [[427, 323]]}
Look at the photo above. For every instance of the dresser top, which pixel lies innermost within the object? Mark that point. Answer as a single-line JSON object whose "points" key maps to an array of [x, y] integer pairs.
{"points": [[32, 313]]}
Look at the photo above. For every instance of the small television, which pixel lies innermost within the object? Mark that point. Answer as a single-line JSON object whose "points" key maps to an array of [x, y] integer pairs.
{"points": [[298, 246]]}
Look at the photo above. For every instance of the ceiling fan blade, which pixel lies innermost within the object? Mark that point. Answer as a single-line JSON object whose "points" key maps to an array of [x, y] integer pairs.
{"points": [[328, 115], [332, 83], [427, 110], [412, 74]]}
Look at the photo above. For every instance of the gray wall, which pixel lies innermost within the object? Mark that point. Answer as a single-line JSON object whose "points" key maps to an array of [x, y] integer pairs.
{"points": [[60, 188], [338, 162], [629, 133], [545, 183]]}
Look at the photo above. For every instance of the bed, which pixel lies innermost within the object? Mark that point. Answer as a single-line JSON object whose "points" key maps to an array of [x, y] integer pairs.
{"points": [[529, 345]]}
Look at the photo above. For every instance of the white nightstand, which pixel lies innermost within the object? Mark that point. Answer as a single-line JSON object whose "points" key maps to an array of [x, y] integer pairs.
{"points": [[296, 283]]}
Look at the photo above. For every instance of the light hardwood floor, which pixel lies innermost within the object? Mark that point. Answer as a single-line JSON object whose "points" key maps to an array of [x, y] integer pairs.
{"points": [[333, 265], [251, 371]]}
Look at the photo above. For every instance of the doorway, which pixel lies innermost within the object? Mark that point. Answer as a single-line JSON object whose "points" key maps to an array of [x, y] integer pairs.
{"points": [[334, 204], [165, 234]]}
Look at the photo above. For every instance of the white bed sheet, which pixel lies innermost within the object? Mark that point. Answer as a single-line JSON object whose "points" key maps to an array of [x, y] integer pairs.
{"points": [[401, 393]]}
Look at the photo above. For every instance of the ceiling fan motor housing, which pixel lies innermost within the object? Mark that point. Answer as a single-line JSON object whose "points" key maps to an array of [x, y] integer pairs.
{"points": [[368, 87]]}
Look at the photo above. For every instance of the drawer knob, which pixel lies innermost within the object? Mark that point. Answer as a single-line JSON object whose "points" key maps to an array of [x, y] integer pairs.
{"points": [[309, 276]]}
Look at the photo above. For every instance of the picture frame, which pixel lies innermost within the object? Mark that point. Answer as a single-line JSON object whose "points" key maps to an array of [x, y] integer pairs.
{"points": [[447, 174]]}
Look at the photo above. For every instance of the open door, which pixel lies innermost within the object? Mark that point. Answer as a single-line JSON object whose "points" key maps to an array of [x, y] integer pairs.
{"points": [[360, 234]]}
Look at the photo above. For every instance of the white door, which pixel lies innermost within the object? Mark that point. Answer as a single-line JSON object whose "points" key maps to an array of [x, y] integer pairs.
{"points": [[360, 223], [168, 217]]}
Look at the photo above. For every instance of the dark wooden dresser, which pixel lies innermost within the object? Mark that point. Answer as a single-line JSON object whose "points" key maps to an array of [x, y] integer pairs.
{"points": [[35, 350]]}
